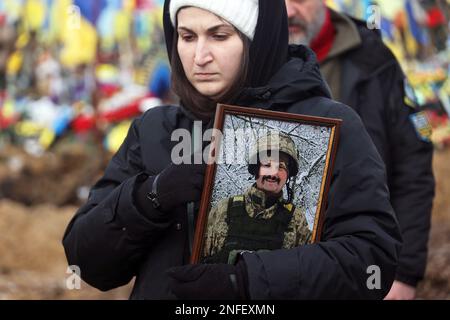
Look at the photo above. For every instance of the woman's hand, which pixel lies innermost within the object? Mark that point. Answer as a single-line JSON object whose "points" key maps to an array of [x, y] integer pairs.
{"points": [[401, 291], [209, 281], [180, 184]]}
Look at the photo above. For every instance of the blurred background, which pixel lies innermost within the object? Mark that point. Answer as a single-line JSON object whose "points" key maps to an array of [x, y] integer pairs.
{"points": [[74, 73]]}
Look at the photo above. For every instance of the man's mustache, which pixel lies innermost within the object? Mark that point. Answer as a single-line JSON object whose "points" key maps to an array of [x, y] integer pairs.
{"points": [[297, 22], [265, 178]]}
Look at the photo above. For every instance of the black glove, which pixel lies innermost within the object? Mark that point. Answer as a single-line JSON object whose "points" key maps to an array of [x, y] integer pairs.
{"points": [[180, 184], [176, 185], [210, 281]]}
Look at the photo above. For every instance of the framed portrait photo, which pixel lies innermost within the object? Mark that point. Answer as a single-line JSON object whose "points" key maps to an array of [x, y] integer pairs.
{"points": [[266, 183]]}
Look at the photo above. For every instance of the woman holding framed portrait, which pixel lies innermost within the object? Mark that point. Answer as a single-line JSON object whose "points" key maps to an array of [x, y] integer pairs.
{"points": [[140, 216]]}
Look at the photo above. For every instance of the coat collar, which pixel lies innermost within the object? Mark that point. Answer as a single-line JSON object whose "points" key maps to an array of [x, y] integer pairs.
{"points": [[256, 202]]}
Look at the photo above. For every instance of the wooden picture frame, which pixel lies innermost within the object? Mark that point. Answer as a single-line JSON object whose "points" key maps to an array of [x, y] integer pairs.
{"points": [[316, 141]]}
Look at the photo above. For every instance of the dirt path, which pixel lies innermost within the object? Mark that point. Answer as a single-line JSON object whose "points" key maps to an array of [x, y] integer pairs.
{"points": [[32, 260], [437, 278]]}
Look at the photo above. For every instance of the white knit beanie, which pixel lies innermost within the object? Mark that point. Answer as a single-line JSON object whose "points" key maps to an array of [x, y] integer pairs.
{"points": [[243, 14]]}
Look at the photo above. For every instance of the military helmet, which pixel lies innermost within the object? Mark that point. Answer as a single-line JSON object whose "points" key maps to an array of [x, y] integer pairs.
{"points": [[272, 142]]}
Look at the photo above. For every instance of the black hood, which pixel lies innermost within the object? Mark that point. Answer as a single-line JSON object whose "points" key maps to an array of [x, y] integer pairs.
{"points": [[279, 74], [269, 48], [298, 79]]}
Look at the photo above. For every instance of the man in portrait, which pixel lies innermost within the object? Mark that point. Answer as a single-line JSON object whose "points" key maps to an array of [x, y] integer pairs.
{"points": [[261, 218]]}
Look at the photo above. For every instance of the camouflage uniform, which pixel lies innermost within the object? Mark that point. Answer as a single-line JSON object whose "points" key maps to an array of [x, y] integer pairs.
{"points": [[245, 222], [296, 232]]}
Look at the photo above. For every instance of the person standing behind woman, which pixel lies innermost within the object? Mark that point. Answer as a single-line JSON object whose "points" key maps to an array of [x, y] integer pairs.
{"points": [[138, 219], [364, 74]]}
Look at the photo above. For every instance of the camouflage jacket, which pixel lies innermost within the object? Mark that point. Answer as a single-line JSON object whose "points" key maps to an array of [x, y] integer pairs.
{"points": [[298, 232]]}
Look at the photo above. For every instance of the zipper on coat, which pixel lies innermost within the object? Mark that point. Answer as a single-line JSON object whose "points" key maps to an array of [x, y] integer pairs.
{"points": [[197, 148]]}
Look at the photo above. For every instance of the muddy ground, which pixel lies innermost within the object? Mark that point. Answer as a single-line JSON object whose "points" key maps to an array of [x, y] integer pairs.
{"points": [[38, 198]]}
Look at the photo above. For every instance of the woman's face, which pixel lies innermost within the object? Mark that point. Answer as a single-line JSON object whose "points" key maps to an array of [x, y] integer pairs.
{"points": [[210, 50]]}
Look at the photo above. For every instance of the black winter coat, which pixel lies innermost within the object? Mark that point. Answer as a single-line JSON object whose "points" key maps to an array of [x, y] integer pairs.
{"points": [[112, 241], [373, 85]]}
